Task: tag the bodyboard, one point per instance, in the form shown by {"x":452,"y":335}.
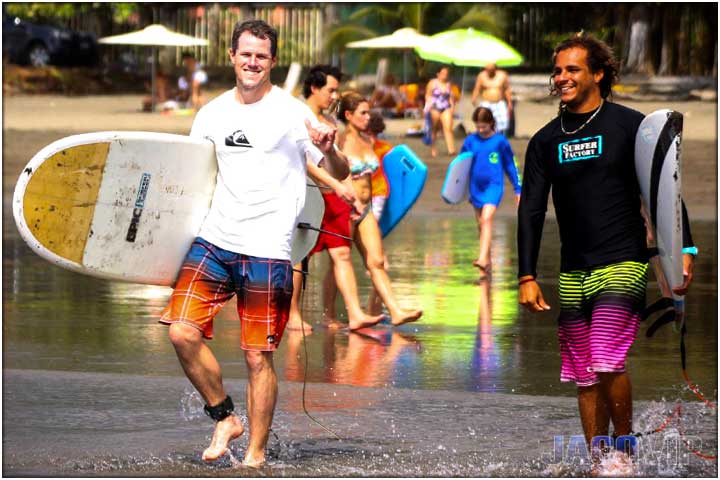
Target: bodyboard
{"x":456,"y":187}
{"x":406,"y":174}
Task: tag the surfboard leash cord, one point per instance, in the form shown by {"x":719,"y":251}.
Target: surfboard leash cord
{"x":307,"y":226}
{"x":667,"y":317}
{"x":304,"y":271}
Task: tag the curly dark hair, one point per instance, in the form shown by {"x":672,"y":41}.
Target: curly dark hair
{"x":599,"y":57}
{"x":317,"y":77}
{"x":259,"y":29}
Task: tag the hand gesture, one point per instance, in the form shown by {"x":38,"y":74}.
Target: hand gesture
{"x":322,"y":136}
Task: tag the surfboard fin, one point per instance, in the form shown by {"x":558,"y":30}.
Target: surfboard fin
{"x":659,"y":305}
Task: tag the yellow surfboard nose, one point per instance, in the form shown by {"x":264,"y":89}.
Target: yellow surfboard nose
{"x":60,"y":197}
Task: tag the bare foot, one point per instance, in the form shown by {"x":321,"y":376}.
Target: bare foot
{"x":433,"y":152}
{"x":364,"y":321}
{"x":402,"y":317}
{"x":253,"y":461}
{"x":226,"y":431}
{"x":616,"y":464}
{"x":299,"y":324}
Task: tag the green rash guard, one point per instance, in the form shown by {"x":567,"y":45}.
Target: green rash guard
{"x":595,"y":191}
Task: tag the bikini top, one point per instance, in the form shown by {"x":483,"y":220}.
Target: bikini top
{"x":363,"y":166}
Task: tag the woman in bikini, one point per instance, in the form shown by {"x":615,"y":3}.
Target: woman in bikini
{"x":354,"y":112}
{"x":440,"y":102}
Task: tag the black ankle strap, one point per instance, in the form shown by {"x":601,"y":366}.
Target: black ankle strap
{"x":221,"y":411}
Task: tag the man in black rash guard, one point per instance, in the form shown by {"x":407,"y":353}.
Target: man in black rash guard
{"x":586,"y":155}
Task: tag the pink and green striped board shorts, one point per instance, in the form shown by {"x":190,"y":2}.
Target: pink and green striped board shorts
{"x":599,"y":319}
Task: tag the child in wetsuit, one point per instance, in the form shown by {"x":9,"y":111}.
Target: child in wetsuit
{"x":492,"y":155}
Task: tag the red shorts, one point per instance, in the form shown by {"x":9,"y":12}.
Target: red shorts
{"x":210,"y":276}
{"x":337,"y":220}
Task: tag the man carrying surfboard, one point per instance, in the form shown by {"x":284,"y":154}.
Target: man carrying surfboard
{"x":262,"y":138}
{"x":586,"y":155}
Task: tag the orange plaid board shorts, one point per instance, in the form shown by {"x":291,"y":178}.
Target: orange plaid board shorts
{"x":210,"y":276}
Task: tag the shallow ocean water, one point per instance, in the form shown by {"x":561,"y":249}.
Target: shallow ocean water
{"x":91,"y":385}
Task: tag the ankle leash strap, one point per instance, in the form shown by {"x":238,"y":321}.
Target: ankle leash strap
{"x":221,"y":411}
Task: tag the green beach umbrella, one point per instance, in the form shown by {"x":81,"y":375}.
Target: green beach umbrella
{"x":468,"y":48}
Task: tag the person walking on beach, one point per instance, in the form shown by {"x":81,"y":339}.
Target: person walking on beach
{"x":604,"y":257}
{"x":262,"y":138}
{"x":492,"y":86}
{"x":440,"y":105}
{"x":354,"y":112}
{"x":320,"y":90}
{"x":492,"y":155}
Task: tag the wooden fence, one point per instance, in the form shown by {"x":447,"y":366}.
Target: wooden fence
{"x":299,"y":26}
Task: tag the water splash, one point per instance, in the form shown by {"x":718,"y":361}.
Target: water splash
{"x":191,"y":405}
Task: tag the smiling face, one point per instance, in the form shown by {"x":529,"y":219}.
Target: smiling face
{"x":360,"y":117}
{"x":252,"y":62}
{"x":577,"y":86}
{"x":326,"y":95}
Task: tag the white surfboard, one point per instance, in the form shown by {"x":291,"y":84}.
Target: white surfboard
{"x":456,"y":187}
{"x":125,"y":205}
{"x":658,"y":168}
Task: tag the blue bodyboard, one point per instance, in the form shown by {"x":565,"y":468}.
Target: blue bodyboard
{"x":406,"y":174}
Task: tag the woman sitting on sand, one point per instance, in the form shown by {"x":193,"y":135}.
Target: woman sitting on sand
{"x":354,"y":112}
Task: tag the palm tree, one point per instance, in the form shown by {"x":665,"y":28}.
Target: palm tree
{"x":428,"y":18}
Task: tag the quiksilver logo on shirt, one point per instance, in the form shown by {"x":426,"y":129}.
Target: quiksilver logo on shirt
{"x":580,"y":149}
{"x":237,"y":139}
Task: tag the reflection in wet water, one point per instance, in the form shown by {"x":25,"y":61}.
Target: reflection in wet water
{"x":473,"y":338}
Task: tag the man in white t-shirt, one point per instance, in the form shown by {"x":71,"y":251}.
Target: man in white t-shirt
{"x":263,"y":138}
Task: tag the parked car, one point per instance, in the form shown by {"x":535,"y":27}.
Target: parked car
{"x":28,"y":43}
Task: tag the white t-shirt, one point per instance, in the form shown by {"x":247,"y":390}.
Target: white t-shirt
{"x":198,"y":75}
{"x":261,"y":152}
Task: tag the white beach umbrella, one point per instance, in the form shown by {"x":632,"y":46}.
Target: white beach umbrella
{"x":405,"y":39}
{"x":154,"y":36}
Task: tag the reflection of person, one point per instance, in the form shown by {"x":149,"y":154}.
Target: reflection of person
{"x":243,"y":247}
{"x":354,"y":112}
{"x":604,"y":265}
{"x":493,"y":88}
{"x":321,"y":91}
{"x":369,"y":359}
{"x":440,"y":104}
{"x":191,"y":82}
{"x":492,"y":154}
{"x":388,"y":97}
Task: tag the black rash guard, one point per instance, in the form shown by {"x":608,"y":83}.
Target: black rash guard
{"x":594,"y":187}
